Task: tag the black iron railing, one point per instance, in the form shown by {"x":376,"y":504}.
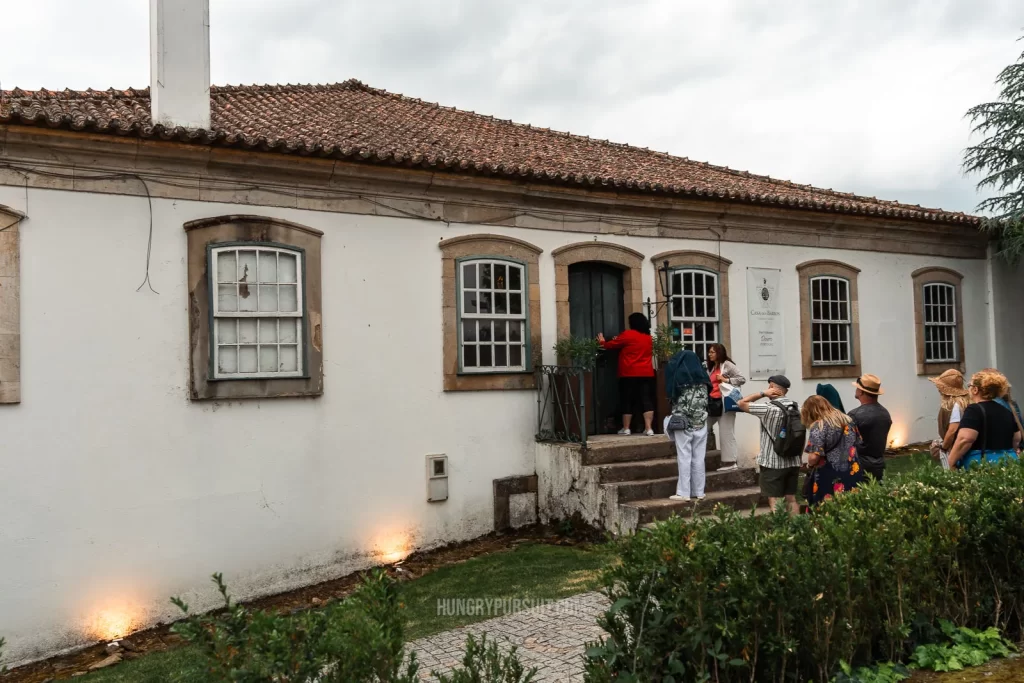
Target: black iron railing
{"x":561,"y":404}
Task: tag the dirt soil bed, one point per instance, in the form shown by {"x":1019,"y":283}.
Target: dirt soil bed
{"x":160,"y":637}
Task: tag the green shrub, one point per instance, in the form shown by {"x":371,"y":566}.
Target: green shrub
{"x":887,"y":672}
{"x":665,"y":344}
{"x":965,"y":647}
{"x":777,"y":597}
{"x":358,"y":640}
{"x":577,"y":351}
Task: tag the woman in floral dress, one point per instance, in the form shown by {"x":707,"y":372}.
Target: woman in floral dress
{"x":832,"y":440}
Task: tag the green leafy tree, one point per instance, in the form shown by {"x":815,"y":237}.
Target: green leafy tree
{"x":1000,"y":160}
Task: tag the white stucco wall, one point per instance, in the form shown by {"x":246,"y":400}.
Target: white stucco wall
{"x":1008,"y":321}
{"x":116,"y":491}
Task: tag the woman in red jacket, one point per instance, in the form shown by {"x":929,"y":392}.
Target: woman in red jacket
{"x":636,"y":370}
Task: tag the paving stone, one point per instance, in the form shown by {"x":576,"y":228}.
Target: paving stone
{"x":550,"y":637}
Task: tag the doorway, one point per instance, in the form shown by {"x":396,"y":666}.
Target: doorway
{"x":596,"y":305}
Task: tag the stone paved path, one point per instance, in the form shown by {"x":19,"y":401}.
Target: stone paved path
{"x":550,"y":637}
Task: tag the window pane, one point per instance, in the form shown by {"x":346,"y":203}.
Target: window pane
{"x":469,"y":276}
{"x":485,"y":356}
{"x":927,"y":295}
{"x":288,"y":330}
{"x":268,"y":266}
{"x":485,"y":302}
{"x":500,"y":355}
{"x":485,"y":330}
{"x":469,"y":303}
{"x":687,"y":308}
{"x":247,"y":331}
{"x":515,"y":304}
{"x":289,"y":298}
{"x":515,"y":331}
{"x":246,"y":297}
{"x":677,"y":283}
{"x":500,"y":277}
{"x":816,"y":289}
{"x":289,"y":359}
{"x":501,"y":303}
{"x":286,"y":268}
{"x":515,"y":277}
{"x":677,"y":307}
{"x":499,"y":331}
{"x":268,"y":358}
{"x":227,"y":360}
{"x":711,"y":309}
{"x":268,"y":298}
{"x":247,"y":266}
{"x":227,"y":332}
{"x":515,"y":356}
{"x":268,"y":330}
{"x":699,"y":308}
{"x":485,"y":275}
{"x":469,"y":355}
{"x":698,"y":285}
{"x":469,"y":330}
{"x":226,"y":266}
{"x":227,"y":298}
{"x":833,"y":310}
{"x":247,"y":359}
{"x":688,"y":284}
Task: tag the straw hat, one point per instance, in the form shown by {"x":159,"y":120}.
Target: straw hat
{"x":869,"y":384}
{"x":950,"y":383}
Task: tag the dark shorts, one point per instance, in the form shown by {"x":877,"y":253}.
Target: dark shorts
{"x":636,"y":395}
{"x":779,"y":483}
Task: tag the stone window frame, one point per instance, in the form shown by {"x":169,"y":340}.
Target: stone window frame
{"x":488,"y":246}
{"x":933,"y":275}
{"x":235,"y":229}
{"x":828,"y":268}
{"x":10,"y":304}
{"x":629,"y":260}
{"x":688,"y":259}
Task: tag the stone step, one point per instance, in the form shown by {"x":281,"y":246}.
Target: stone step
{"x":610,"y":449}
{"x":662,"y":508}
{"x":629,"y":491}
{"x":643,"y":470}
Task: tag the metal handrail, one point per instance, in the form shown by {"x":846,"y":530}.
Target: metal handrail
{"x":561,"y":404}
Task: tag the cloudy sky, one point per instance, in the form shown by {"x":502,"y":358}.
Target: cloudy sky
{"x":864,"y":96}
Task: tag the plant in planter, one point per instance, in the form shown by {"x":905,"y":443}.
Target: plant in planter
{"x":665,"y":344}
{"x":580,"y":353}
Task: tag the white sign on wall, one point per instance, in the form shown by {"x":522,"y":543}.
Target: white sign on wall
{"x":764,"y":321}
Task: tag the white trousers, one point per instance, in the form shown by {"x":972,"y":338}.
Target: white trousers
{"x":690,"y":450}
{"x":726,"y":436}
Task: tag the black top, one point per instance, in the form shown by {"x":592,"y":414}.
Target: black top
{"x":995,"y":426}
{"x":873,"y":421}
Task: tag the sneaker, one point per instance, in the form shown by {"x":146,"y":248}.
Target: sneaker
{"x":701,"y":497}
{"x":649,"y":432}
{"x":624,"y":432}
{"x":675,"y":497}
{"x":728,"y":468}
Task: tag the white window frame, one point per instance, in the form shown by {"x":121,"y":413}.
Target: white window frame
{"x":679,"y":322}
{"x":523,"y":316}
{"x":950,"y":324}
{"x":830,"y":323}
{"x":216,"y":315}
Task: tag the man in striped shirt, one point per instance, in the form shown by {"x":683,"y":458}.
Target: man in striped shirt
{"x":779,"y":475}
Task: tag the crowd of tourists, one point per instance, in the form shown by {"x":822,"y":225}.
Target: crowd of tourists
{"x":836,"y":450}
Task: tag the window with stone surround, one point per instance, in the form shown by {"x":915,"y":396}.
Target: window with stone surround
{"x":938,"y":320}
{"x":491,"y":312}
{"x":254,"y":308}
{"x":698,"y":308}
{"x":829,"y":320}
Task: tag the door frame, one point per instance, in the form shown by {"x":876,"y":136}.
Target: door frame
{"x":630,"y":261}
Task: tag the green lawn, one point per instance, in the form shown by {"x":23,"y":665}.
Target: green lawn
{"x":528,"y":571}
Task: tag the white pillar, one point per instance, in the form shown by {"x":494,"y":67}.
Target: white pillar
{"x":179,"y":62}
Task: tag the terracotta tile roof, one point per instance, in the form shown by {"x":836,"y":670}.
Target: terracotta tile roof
{"x":353,"y":121}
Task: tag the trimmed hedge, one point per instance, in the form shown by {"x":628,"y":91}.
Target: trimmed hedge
{"x":779,"y":598}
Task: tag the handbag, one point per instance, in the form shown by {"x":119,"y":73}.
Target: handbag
{"x":731,"y":397}
{"x":715,"y":407}
{"x":677,"y":423}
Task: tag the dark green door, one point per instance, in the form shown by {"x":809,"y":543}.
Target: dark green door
{"x":595,"y":305}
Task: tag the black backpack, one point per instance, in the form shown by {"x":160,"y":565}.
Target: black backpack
{"x":791,"y":436}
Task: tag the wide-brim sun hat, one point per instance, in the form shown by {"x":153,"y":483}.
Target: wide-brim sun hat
{"x":869,"y":384}
{"x":950,"y":383}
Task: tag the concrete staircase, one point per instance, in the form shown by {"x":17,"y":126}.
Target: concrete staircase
{"x":621,"y":483}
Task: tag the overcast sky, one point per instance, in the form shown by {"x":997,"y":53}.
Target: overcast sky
{"x":862,"y":96}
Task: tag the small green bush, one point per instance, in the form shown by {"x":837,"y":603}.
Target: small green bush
{"x":887,"y":672}
{"x":358,"y":640}
{"x":965,"y":647}
{"x":777,"y":597}
{"x":665,"y":344}
{"x":576,"y":351}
